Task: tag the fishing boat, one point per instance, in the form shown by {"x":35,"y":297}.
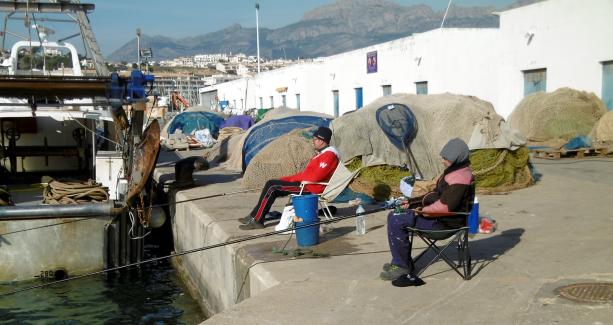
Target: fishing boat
{"x":73,"y":163}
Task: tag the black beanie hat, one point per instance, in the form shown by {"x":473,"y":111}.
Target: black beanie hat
{"x":323,"y":133}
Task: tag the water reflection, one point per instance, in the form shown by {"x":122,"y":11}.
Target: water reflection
{"x":151,"y":294}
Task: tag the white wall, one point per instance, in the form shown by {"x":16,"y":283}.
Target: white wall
{"x":450,"y":60}
{"x":571,"y":39}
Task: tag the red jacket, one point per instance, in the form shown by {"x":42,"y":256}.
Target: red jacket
{"x":320,"y":169}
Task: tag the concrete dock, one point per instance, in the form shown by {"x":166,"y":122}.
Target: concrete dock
{"x":555,"y":233}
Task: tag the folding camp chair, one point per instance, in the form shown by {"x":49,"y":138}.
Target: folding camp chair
{"x":451,"y":238}
{"x":458,"y":236}
{"x":337,"y":183}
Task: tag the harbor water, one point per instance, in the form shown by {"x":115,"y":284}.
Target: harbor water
{"x":151,"y":294}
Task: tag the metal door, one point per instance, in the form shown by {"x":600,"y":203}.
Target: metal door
{"x":387,"y":90}
{"x":336,"y":104}
{"x":607,"y":84}
{"x":535,"y":81}
{"x":358,"y":98}
{"x":421,"y":88}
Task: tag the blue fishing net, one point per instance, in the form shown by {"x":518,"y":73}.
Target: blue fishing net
{"x":264,"y":133}
{"x":398,"y":123}
{"x":189,"y":122}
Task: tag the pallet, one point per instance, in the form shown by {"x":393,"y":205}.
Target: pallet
{"x":580,"y":153}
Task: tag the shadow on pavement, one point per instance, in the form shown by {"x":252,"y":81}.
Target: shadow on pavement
{"x":484,"y":251}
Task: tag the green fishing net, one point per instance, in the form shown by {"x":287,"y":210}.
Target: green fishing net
{"x":380,"y":181}
{"x":502,"y":168}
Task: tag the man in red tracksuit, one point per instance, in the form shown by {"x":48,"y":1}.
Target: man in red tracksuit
{"x":320,"y":169}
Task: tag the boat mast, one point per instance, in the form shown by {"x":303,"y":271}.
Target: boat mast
{"x":74,"y":6}
{"x":90,"y":42}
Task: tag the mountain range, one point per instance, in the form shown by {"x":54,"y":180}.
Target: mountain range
{"x":326,"y":30}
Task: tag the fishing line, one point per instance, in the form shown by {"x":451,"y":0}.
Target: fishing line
{"x":230,"y":242}
{"x":204,"y":197}
{"x":571,"y":162}
{"x":94,"y":132}
{"x":51,"y":225}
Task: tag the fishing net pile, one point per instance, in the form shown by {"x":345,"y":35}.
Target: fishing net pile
{"x":439,"y":118}
{"x":603,"y":130}
{"x":188,"y":122}
{"x":501,"y":170}
{"x":379,"y":182}
{"x":221,"y":151}
{"x":74,"y":192}
{"x":286,"y":155}
{"x":563,"y":114}
{"x":278,"y":122}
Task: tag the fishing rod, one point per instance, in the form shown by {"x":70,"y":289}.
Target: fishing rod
{"x":229,"y":242}
{"x":205,"y":197}
{"x":153,"y":206}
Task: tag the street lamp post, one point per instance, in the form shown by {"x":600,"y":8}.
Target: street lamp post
{"x":138,"y":47}
{"x":257,"y":33}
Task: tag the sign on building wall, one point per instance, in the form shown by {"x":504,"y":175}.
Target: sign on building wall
{"x":371,"y":62}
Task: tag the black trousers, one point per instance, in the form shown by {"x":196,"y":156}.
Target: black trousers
{"x":273,"y":189}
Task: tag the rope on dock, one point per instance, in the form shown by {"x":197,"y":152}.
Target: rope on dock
{"x":74,"y":192}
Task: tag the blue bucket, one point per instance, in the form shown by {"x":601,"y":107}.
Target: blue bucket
{"x":305,"y":207}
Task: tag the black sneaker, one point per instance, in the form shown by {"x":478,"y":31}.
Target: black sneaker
{"x":393,"y":273}
{"x":408,"y":281}
{"x":251,"y":225}
{"x":245,"y":220}
{"x":387,"y":266}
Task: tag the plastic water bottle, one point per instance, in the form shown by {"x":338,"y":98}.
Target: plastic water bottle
{"x":360,"y":221}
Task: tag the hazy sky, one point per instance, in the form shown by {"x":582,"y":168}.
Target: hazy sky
{"x":115,"y":21}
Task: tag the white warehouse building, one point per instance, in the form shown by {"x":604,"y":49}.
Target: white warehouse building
{"x":539,"y":47}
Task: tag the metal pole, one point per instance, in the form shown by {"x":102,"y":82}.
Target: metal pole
{"x":257,"y":32}
{"x":32,"y":212}
{"x":138,"y":47}
{"x":94,"y":149}
{"x":445,"y":16}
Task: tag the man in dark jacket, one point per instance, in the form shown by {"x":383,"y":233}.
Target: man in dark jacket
{"x":453,"y":193}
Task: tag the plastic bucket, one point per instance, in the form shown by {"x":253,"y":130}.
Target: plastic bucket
{"x":305,"y":207}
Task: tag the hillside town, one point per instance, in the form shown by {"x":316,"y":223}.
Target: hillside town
{"x":187,"y":74}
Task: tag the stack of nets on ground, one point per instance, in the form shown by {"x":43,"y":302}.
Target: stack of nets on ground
{"x":495,"y":171}
{"x":551,"y":119}
{"x":74,"y":192}
{"x":190,"y":121}
{"x":439,"y":119}
{"x":379,"y":182}
{"x":603,"y":129}
{"x":501,"y":170}
{"x":244,"y":148}
{"x":220,"y":151}
{"x":286,"y":155}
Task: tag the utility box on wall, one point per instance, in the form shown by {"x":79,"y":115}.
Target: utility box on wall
{"x":109,"y":170}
